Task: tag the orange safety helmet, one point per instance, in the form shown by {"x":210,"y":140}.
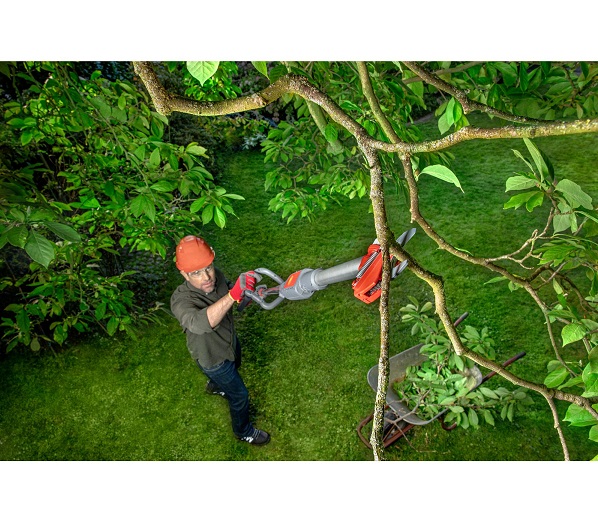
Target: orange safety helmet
{"x":192,"y":254}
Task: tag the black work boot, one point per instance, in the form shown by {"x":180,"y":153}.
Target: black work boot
{"x":212,"y":388}
{"x":258,"y":437}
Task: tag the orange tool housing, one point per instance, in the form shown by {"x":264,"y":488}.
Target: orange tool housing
{"x":367,"y":287}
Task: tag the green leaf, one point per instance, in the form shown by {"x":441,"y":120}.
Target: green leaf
{"x":235,"y":197}
{"x":443,"y":173}
{"x":219,"y":218}
{"x":103,"y":108}
{"x":572,"y":382}
{"x":538,"y":159}
{"x":26,"y":137}
{"x":427,"y":306}
{"x":202,"y":71}
{"x":346,"y":104}
{"x":577,"y":416}
{"x":574,"y":194}
{"x":527,"y":162}
{"x":448,"y":400}
{"x":473,"y":418}
{"x":591,"y":384}
{"x":164,"y":186}
{"x":154,"y":159}
{"x":207,"y":214}
{"x":510,"y":411}
{"x":557,"y":253}
{"x":196,"y":150}
{"x":556,"y":377}
{"x":561,"y":222}
{"x":137,"y":205}
{"x":534,"y":201}
{"x":572,"y":333}
{"x":489,"y":393}
{"x":594,"y":433}
{"x":23,"y":321}
{"x":592,"y":215}
{"x":519,"y":183}
{"x":557,"y":286}
{"x":17,"y":235}
{"x":593,"y":358}
{"x":518,"y":200}
{"x":140,"y":152}
{"x":330,"y":133}
{"x":261,"y":67}
{"x":90,"y":203}
{"x":111,"y":326}
{"x":449,"y":113}
{"x":64,"y":231}
{"x":197,"y":204}
{"x":143,"y":204}
{"x":509,"y":73}
{"x":496,"y":279}
{"x":443,"y":125}
{"x":39,"y":248}
{"x":100,"y":310}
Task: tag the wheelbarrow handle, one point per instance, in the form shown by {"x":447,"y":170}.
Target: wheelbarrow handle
{"x":505,"y":364}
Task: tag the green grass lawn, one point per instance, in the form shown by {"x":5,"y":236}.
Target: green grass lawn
{"x":305,"y":363}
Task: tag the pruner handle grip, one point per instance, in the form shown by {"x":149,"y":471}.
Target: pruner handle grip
{"x":256,"y":295}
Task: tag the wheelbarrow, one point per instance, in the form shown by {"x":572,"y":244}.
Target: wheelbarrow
{"x":398,"y":417}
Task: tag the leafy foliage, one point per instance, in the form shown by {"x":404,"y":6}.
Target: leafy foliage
{"x":87,"y":173}
{"x":446,"y":382}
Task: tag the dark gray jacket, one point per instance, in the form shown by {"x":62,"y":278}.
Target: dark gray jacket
{"x":208,"y":346}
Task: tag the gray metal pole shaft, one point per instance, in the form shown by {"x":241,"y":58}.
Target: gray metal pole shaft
{"x":342,"y":272}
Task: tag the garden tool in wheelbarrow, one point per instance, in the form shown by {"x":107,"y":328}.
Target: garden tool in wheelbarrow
{"x":366,"y":272}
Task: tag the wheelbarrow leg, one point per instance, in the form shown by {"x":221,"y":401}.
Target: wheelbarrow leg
{"x":393,"y":429}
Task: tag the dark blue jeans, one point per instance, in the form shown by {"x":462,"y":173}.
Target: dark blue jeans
{"x":227,"y":378}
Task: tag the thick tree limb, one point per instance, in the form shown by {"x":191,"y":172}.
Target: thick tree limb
{"x":382,"y":233}
{"x":166,"y":103}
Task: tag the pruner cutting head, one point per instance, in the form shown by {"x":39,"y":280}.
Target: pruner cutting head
{"x":398,"y":269}
{"x":406,"y":236}
{"x":367,"y":284}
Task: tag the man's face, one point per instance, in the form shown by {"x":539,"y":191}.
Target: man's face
{"x":204,"y":279}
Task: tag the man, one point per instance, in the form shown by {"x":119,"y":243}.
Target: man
{"x":203,"y":306}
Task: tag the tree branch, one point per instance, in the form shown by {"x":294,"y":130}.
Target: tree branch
{"x":167,"y":103}
{"x":468,"y":104}
{"x":368,"y":92}
{"x":440,"y":72}
{"x":507,"y":132}
{"x":382,"y":233}
{"x":557,"y":426}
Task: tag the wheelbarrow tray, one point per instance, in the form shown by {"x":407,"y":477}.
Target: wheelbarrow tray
{"x":397,"y":368}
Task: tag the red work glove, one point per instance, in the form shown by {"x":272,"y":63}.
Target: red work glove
{"x":246,"y":281}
